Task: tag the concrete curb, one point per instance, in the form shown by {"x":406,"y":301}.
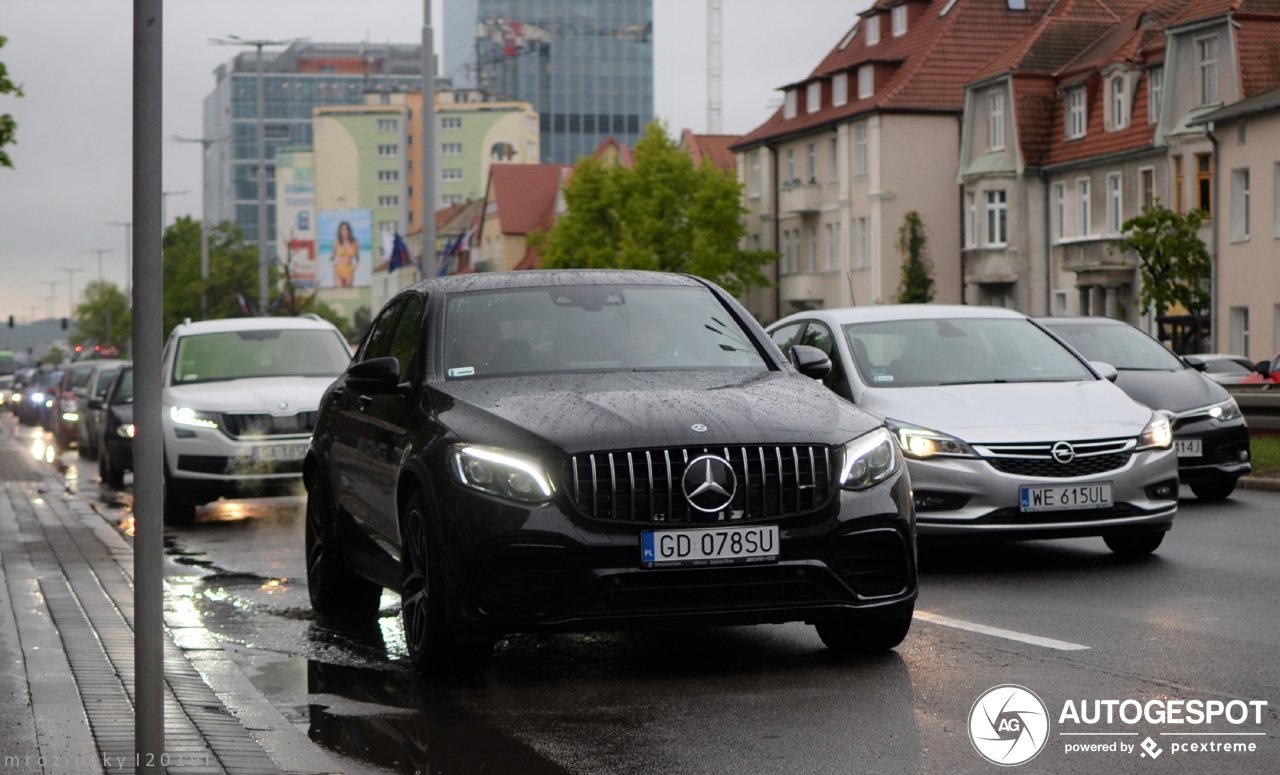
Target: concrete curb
{"x":1265,"y":483}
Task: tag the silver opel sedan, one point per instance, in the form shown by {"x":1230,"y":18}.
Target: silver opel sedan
{"x":1008,"y":434}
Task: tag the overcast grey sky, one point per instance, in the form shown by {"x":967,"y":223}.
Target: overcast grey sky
{"x":73,"y":59}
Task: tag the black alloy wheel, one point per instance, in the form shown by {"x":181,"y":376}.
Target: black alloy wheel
{"x":865,"y":633}
{"x":1216,"y":490}
{"x":1134,"y":544}
{"x":177,"y":510}
{"x":433,"y":646}
{"x":334,"y":588}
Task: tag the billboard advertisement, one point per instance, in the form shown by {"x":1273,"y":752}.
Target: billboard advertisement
{"x":295,"y":205}
{"x":344,"y":248}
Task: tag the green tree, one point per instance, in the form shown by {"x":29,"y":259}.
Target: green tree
{"x":233,"y":272}
{"x":1172,"y":259}
{"x":55,"y":355}
{"x":916,"y":286}
{"x":103,"y":317}
{"x":663,"y":213}
{"x":8,"y":127}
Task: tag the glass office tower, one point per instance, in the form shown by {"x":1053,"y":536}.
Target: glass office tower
{"x":585,"y":65}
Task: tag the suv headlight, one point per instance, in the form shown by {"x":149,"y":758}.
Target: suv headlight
{"x":922,"y":443}
{"x":1227,"y":410}
{"x":1157,"y":435}
{"x":500,"y":473}
{"x":195,"y":418}
{"x":869,"y":460}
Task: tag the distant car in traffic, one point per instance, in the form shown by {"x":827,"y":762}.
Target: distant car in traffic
{"x":37,"y":393}
{"x":71,"y":403}
{"x":1210,"y":435}
{"x":239,"y":401}
{"x":116,"y":430}
{"x":1222,"y":368}
{"x":89,"y":428}
{"x":1008,"y":433}
{"x":576,"y":449}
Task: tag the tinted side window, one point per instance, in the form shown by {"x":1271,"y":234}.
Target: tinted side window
{"x":785,"y":337}
{"x":379,"y":342}
{"x":407,"y":337}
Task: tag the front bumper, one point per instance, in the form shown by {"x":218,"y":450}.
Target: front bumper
{"x":1224,"y":449}
{"x":205,"y":463}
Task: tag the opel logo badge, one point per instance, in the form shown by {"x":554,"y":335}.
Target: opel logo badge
{"x":709,"y":484}
{"x":282,"y":405}
{"x":698,"y":428}
{"x":1063,"y":452}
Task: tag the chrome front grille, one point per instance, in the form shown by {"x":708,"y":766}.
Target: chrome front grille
{"x":257,"y":425}
{"x":1036,"y":459}
{"x":645,"y":485}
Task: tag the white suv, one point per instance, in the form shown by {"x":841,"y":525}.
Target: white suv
{"x":240,"y":399}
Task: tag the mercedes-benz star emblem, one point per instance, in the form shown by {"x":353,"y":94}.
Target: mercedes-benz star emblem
{"x":709,"y":484}
{"x":698,"y":428}
{"x":1063,"y":452}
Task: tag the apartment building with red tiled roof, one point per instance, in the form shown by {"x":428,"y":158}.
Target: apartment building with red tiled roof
{"x":519,"y":199}
{"x":870,"y":134}
{"x":716,"y":148}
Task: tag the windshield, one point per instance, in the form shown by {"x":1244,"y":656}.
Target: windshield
{"x":124,"y":388}
{"x":1226,"y":366}
{"x":915,"y":353}
{"x":105,"y":376}
{"x":593,"y":328}
{"x":272,"y":352}
{"x":1122,"y":346}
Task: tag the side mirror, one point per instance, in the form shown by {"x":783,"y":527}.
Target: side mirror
{"x":810,"y":361}
{"x":1263,"y":368}
{"x":1105,"y":370}
{"x":1195,"y":362}
{"x":376,"y":375}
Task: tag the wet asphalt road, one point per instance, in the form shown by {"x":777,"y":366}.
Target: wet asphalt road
{"x":1198,"y":621}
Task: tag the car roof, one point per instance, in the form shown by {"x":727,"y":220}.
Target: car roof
{"x":883,"y":312}
{"x":484,"y":281}
{"x":1073,"y":320}
{"x":225,"y":325}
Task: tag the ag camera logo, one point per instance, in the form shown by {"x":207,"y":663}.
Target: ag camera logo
{"x":1008,"y":725}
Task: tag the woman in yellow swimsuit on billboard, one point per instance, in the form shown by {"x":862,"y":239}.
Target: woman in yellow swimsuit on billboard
{"x":346,"y":254}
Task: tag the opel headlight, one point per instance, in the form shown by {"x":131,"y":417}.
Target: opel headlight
{"x":1157,"y":435}
{"x":501,"y":473}
{"x":1227,"y":410}
{"x":869,"y":460}
{"x":922,"y":443}
{"x":193,"y":417}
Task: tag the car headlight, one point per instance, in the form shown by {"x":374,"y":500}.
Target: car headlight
{"x":1157,"y":435}
{"x":869,"y":460}
{"x":921,"y":443}
{"x":37,"y":398}
{"x":501,"y":473}
{"x":1227,"y":410}
{"x":125,"y":431}
{"x":193,"y":417}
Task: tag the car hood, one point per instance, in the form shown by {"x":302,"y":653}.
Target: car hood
{"x":590,"y":412}
{"x":1176,"y":391}
{"x":1014,"y":412}
{"x":266,"y":395}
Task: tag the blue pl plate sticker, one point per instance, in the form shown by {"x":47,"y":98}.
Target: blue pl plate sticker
{"x":646,"y":547}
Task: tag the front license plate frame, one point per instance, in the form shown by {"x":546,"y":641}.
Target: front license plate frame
{"x":1087,"y":496}
{"x":280,"y":453}
{"x":1189,"y":447}
{"x":703,"y":547}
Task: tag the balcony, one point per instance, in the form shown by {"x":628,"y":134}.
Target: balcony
{"x":805,"y":287}
{"x":1093,"y":254}
{"x":800,"y":198}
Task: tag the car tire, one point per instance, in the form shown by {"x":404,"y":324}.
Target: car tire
{"x":1216,"y":490}
{"x":177,"y":510}
{"x":333,"y":587}
{"x":433,"y":647}
{"x":865,"y":633}
{"x":1134,"y":544}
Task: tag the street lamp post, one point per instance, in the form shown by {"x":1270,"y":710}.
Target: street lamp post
{"x":128,"y":256}
{"x":205,"y":143}
{"x":164,"y":208}
{"x":71,"y":293}
{"x":100,"y":251}
{"x":263,"y":258}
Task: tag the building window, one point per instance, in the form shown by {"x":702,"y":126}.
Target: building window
{"x":448,"y":199}
{"x":873,"y":30}
{"x":997,"y":218}
{"x":1060,"y":210}
{"x":830,"y":233}
{"x":813,"y":248}
{"x":451,"y":149}
{"x":833,"y":158}
{"x":813,"y":97}
{"x":866,"y":81}
{"x":1119,"y":104}
{"x":1147,"y":187}
{"x":451,"y":122}
{"x":386,"y":227}
{"x":840,"y":89}
{"x":388,"y":176}
{"x":1240,"y":204}
{"x":390,"y":200}
{"x":1179,"y":187}
{"x":860,"y":150}
{"x":1155,"y":93}
{"x":1204,"y":184}
{"x":388,"y":150}
{"x":753,"y":177}
{"x":451,"y":174}
{"x":789,"y":104}
{"x":1238,"y":325}
{"x":786,"y":252}
{"x":995,"y":125}
{"x":1077,"y":123}
{"x":1207,"y":70}
{"x":1115,"y":202}
{"x":811,"y":162}
{"x":1242,"y":131}
{"x":388,"y":125}
{"x":899,"y":21}
{"x":1083,"y":210}
{"x":861,"y":244}
{"x":791,"y":166}
{"x":970,"y":219}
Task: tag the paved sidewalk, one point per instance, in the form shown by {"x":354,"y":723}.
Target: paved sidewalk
{"x":66,"y":646}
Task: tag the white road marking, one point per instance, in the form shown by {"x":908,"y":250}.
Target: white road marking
{"x":996,"y":632}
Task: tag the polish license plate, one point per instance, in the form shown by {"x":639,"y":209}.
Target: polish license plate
{"x":277,"y":453}
{"x":1066,"y":497}
{"x":1188,"y":447}
{"x":715,"y":546}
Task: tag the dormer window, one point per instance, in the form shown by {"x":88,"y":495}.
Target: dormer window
{"x":840,"y":89}
{"x":866,"y":81}
{"x":995,"y":118}
{"x":900,"y":21}
{"x":1119,"y":104}
{"x":813,"y":97}
{"x":1155,"y":93}
{"x":1076,"y":117}
{"x":789,"y":104}
{"x":873,"y":30}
